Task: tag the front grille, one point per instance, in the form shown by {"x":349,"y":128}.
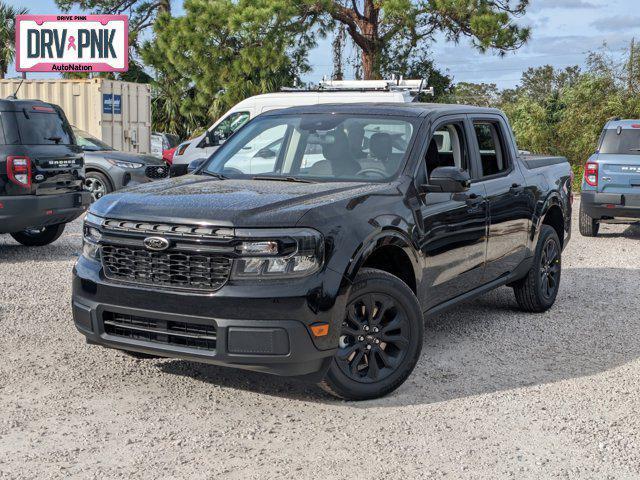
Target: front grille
{"x":193,"y":271}
{"x":168,"y":332}
{"x":157,"y":171}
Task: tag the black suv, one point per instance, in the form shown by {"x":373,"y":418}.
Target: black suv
{"x":41,"y":172}
{"x":314,"y":240}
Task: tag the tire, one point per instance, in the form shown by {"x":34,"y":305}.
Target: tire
{"x":38,"y":237}
{"x":537,"y":291}
{"x":588,"y":226}
{"x":397,"y":318}
{"x":98,"y":184}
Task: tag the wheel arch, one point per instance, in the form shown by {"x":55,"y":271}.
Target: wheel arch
{"x":391,"y":251}
{"x":552,"y":214}
{"x":97,"y":169}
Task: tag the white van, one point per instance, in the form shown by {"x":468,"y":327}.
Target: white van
{"x":347,"y":91}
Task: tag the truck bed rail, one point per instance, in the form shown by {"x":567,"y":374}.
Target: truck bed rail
{"x":538,"y":161}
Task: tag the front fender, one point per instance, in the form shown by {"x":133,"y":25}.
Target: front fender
{"x":385,"y":237}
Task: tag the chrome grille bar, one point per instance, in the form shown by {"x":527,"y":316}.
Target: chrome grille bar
{"x":151,"y":228}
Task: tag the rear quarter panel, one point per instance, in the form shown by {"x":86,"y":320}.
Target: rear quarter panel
{"x":549,"y":186}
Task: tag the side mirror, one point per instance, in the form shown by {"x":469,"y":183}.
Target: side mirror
{"x":448,"y":179}
{"x":195,"y":164}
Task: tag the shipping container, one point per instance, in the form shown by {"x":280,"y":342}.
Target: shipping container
{"x":117,"y":112}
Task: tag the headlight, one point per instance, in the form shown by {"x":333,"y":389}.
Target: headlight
{"x":124,"y":164}
{"x":90,"y":250}
{"x":281,"y":253}
{"x":92,"y":236}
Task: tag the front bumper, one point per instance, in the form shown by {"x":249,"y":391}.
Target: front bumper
{"x":610,"y":205}
{"x":18,"y":213}
{"x":267,"y":332}
{"x":125,"y":177}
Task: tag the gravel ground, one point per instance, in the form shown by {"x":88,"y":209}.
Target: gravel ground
{"x":496,"y":394}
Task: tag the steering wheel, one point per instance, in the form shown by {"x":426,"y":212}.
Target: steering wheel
{"x":375,"y":171}
{"x":231,"y":170}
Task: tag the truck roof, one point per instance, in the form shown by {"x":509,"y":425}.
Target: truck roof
{"x":413,"y":109}
{"x":317,"y":96}
{"x":12,"y":104}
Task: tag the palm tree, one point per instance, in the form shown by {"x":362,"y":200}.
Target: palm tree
{"x":8,"y":35}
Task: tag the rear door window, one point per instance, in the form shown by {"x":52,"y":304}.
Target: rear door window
{"x":493,"y":153}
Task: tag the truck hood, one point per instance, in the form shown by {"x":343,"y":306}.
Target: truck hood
{"x":233,"y":203}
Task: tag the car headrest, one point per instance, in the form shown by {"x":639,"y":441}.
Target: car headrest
{"x":338,"y":149}
{"x":380,"y":145}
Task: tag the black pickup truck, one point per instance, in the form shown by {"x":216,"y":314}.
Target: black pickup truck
{"x":312,"y":243}
{"x":41,"y":172}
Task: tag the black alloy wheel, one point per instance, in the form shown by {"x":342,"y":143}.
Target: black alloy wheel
{"x":550,"y":268}
{"x":374,"y":338}
{"x":380,"y":338}
{"x":537,"y":291}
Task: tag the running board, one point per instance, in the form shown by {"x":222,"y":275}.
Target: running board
{"x":520,"y":272}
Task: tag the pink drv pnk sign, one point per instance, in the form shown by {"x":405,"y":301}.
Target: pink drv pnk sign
{"x":72,"y":43}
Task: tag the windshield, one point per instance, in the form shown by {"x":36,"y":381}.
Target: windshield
{"x":89,"y":142}
{"x":316,"y":147}
{"x":40,"y":128}
{"x":626,"y":142}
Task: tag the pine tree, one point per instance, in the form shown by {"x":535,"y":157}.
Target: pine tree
{"x":8,"y":16}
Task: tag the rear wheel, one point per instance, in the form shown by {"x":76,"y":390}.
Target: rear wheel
{"x":38,"y":237}
{"x":538,"y":290}
{"x":589,"y":227}
{"x":381,"y":338}
{"x":97,"y":184}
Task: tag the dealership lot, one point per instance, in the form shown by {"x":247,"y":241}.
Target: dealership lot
{"x":497,"y":392}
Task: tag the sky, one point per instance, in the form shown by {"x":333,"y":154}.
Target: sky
{"x":563,"y":32}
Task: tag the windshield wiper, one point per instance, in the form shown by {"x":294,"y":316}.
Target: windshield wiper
{"x":282,"y":179}
{"x":214,"y":174}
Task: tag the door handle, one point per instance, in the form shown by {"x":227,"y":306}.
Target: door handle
{"x":469,"y":198}
{"x":516,"y":189}
{"x":473,"y":199}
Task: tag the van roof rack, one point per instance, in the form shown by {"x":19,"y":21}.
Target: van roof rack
{"x":413,"y":87}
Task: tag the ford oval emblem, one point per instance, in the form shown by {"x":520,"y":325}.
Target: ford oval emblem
{"x":157,"y":244}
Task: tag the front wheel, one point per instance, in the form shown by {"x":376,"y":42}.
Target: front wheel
{"x":38,"y":237}
{"x":381,"y":338}
{"x":97,"y":184}
{"x":537,"y":291}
